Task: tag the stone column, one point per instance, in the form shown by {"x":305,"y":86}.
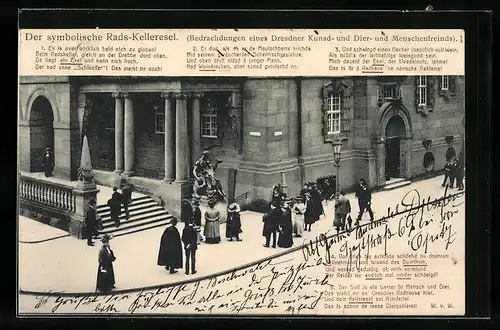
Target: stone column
{"x":196,"y":127}
{"x":118,"y":133}
{"x":169,"y":137}
{"x":181,"y":139}
{"x":129,"y":135}
{"x":379,"y":147}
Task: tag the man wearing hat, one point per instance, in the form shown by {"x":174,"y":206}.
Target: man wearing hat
{"x":233,"y":223}
{"x":170,"y":253}
{"x":91,"y":221}
{"x":48,"y":162}
{"x":197,"y":220}
{"x":105,"y":271}
{"x":190,"y":246}
{"x":271,"y":220}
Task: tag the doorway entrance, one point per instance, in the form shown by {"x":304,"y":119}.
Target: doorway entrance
{"x":392,"y":150}
{"x":41,"y":132}
{"x":395,"y":130}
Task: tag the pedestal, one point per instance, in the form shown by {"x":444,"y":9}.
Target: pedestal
{"x":82,"y":193}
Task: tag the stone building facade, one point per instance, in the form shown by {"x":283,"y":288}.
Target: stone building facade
{"x":152,"y":129}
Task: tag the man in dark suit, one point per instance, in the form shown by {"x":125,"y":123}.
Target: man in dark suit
{"x":127,"y":197}
{"x":271,"y":221}
{"x":115,"y":206}
{"x":364,"y":196}
{"x":91,"y":221}
{"x":189,"y":238}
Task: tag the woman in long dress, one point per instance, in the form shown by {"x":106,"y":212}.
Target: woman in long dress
{"x":285,"y":239}
{"x":105,"y":270}
{"x":212,"y":225}
{"x":298,"y":211}
{"x":311,"y":213}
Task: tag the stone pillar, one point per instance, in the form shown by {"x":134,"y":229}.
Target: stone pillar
{"x":169,"y":137}
{"x":118,"y":133}
{"x":181,"y":139}
{"x":379,"y":147}
{"x":406,"y":149}
{"x":196,"y":127}
{"x":82,"y":197}
{"x":129,"y":135}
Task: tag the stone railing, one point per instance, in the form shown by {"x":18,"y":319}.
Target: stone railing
{"x":64,"y":202}
{"x":55,"y":196}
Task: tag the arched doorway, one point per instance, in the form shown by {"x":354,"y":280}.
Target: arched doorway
{"x":41,"y":131}
{"x":394,"y":132}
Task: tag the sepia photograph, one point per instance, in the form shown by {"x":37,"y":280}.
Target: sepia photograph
{"x":187,"y":194}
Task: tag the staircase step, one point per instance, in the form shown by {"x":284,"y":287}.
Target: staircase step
{"x":135,"y":206}
{"x":132,"y":230}
{"x":136,"y":199}
{"x":398,"y":184}
{"x":141,"y":217}
{"x":134,"y":224}
{"x":132,"y":212}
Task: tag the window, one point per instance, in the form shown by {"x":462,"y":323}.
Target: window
{"x":333,"y":113}
{"x":422,"y":91}
{"x":160,"y":123}
{"x":445,"y":83}
{"x":389,"y":92}
{"x":209,"y":126}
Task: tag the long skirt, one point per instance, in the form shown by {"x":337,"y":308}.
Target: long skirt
{"x":298,"y":224}
{"x":212,"y":232}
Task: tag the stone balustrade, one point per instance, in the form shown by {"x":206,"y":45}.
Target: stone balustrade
{"x":56,"y":200}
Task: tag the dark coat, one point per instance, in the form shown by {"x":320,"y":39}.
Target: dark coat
{"x":186,"y":212}
{"x":190,"y":237}
{"x":126,"y":194}
{"x":318,"y":205}
{"x":285,"y":239}
{"x":90,"y":221}
{"x":170,"y":253}
{"x":233,"y":224}
{"x":115,"y":204}
{"x":460,"y":172}
{"x":48,"y":164}
{"x":311,"y":215}
{"x":363,"y":195}
{"x":105,"y":271}
{"x":197,"y":216}
{"x":271,"y":221}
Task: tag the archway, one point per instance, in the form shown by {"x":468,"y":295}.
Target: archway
{"x":41,"y":131}
{"x":394,"y":132}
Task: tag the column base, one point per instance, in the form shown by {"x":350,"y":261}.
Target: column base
{"x":168,"y":180}
{"x":128,"y":173}
{"x":76,"y":226}
{"x":118,"y":171}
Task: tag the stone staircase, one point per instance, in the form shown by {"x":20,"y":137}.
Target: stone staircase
{"x":394,"y":183}
{"x":145,"y":213}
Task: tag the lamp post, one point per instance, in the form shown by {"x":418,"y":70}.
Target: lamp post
{"x":337,"y":147}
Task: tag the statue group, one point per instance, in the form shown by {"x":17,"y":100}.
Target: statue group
{"x":206,"y":184}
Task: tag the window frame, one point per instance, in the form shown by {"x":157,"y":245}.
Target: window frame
{"x":443,"y":88}
{"x":214,"y":124}
{"x":159,"y":114}
{"x":331,"y":112}
{"x":422,"y":91}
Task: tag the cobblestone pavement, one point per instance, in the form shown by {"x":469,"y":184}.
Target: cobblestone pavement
{"x":69,"y":265}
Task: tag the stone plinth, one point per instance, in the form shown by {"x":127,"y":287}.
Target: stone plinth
{"x":82,"y":198}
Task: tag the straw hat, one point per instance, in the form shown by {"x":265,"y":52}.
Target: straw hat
{"x":234,"y":208}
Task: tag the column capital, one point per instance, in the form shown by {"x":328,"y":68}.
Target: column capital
{"x":180,"y":95}
{"x":126,"y":95}
{"x":116,"y":95}
{"x":196,"y":95}
{"x":167,"y":95}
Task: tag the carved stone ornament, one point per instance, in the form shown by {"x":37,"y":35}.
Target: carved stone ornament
{"x":85,"y":173}
{"x":426,"y":143}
